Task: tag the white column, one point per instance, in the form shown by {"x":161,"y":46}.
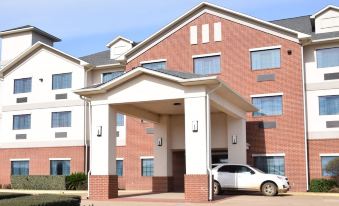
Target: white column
{"x":237,"y":145}
{"x":162,"y":153}
{"x":196,"y":135}
{"x":103,"y":145}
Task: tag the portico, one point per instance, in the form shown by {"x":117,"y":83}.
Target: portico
{"x":190,"y":112}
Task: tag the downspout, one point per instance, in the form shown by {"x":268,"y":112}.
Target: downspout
{"x":208,"y":142}
{"x":305,"y":117}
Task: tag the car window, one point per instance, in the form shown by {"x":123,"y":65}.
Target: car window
{"x":243,"y":169}
{"x":227,"y":168}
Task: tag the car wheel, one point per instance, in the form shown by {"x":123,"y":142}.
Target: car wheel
{"x":269,"y":189}
{"x":216,"y":188}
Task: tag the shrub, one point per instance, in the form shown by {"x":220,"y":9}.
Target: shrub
{"x":322,"y":185}
{"x":76,"y":181}
{"x":5,"y":195}
{"x":39,"y":182}
{"x":42,"y":200}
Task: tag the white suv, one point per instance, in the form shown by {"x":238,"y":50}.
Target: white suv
{"x":244,"y":177}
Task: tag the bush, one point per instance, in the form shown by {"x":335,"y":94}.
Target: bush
{"x":11,"y":195}
{"x":76,"y":181}
{"x":322,"y":185}
{"x":39,"y":182}
{"x":42,"y":200}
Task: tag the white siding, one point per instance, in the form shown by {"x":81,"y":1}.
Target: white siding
{"x":327,"y":21}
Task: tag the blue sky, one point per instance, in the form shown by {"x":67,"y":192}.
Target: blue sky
{"x":86,"y":26}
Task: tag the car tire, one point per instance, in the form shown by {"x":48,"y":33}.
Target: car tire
{"x":216,"y":188}
{"x":269,"y":189}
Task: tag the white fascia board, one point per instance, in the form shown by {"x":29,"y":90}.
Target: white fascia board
{"x":206,"y":55}
{"x":20,"y":159}
{"x":60,"y":158}
{"x":119,"y":158}
{"x":118,"y":38}
{"x":324,"y":9}
{"x":325,"y":40}
{"x":329,"y":155}
{"x":268,"y":94}
{"x":265,"y":48}
{"x":269,"y":155}
{"x":16,"y":31}
{"x":146,"y":157}
{"x":153,"y":61}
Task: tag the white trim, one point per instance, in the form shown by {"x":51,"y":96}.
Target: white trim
{"x":119,"y":158}
{"x":23,"y":159}
{"x":324,"y":9}
{"x":146,"y":157}
{"x":265,"y":48}
{"x":153,"y":61}
{"x":325,"y":40}
{"x":329,"y":155}
{"x":268,"y":94}
{"x":205,"y":33}
{"x":269,"y":155}
{"x":206,"y":55}
{"x":60,"y":159}
{"x":116,"y":40}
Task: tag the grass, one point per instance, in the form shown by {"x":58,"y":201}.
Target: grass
{"x":14,"y":199}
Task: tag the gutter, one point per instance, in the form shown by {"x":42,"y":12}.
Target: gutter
{"x":208,"y":142}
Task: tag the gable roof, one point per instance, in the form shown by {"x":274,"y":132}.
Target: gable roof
{"x":117,"y":39}
{"x":29,"y":28}
{"x":36,"y":47}
{"x":216,"y":10}
{"x":99,"y":58}
{"x":323,"y":10}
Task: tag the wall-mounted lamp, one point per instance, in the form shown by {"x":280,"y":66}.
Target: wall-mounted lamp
{"x":159,"y":142}
{"x":289,"y":52}
{"x":195,"y":126}
{"x":99,"y":131}
{"x":41,"y":79}
{"x":234,"y":139}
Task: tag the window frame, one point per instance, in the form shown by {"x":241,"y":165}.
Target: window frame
{"x":269,"y":95}
{"x":326,"y":155}
{"x":265,"y":49}
{"x":154,"y":61}
{"x":14,"y":85}
{"x":19,"y":160}
{"x":59,"y":160}
{"x":71,"y":83}
{"x":281,"y":155}
{"x":316,"y":57}
{"x":142,"y":167}
{"x":104,"y":73}
{"x":122,"y":167}
{"x":70,"y":120}
{"x":200,"y":56}
{"x":18,"y":115}
{"x":319,"y":107}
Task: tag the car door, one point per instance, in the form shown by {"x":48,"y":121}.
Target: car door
{"x":246,"y":178}
{"x":226,"y":176}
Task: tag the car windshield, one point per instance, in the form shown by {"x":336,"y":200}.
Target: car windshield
{"x":256,"y":169}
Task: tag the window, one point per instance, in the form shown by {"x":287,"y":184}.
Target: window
{"x":22,"y":121}
{"x":265,"y":59}
{"x":60,"y":167}
{"x":267,"y":105}
{"x":207,"y":65}
{"x":20,"y":168}
{"x":22,"y":85}
{"x":270,"y":164}
{"x":120,"y":167}
{"x":106,"y":77}
{"x":325,"y":160}
{"x":61,"y":81}
{"x":120,"y":119}
{"x":329,"y":105}
{"x":147,"y":167}
{"x":155,"y":65}
{"x":327,"y":57}
{"x":228,"y":168}
{"x":61,"y":119}
{"x":243,"y":169}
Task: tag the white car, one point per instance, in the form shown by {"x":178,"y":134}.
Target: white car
{"x":245,"y":177}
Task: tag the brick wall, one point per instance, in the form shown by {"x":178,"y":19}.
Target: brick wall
{"x":103,"y":187}
{"x":236,"y":71}
{"x":196,"y":188}
{"x":39,"y":163}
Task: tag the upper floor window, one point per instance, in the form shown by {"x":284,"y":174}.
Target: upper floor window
{"x":106,"y":77}
{"x":265,"y":59}
{"x":62,"y":81}
{"x":267,"y":105}
{"x":61,"y":119}
{"x":328,"y":57}
{"x":154,"y":65}
{"x":60,"y":167}
{"x":329,"y":105}
{"x":22,"y":85}
{"x":328,"y":165}
{"x":22,"y":121}
{"x":270,"y":164}
{"x":120,"y":119}
{"x":147,"y":167}
{"x":20,"y":167}
{"x":207,"y":64}
{"x":120,"y":167}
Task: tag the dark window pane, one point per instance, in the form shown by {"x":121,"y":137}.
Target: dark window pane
{"x":20,"y":168}
{"x":324,"y":162}
{"x":155,"y":65}
{"x":22,"y":85}
{"x":22,"y":121}
{"x":327,"y":57}
{"x":329,"y":105}
{"x":61,"y":81}
{"x":265,"y":59}
{"x":120,"y":167}
{"x":60,"y":167}
{"x":207,"y":65}
{"x":106,"y":77}
{"x":270,"y":165}
{"x":271,"y":105}
{"x":61,"y":119}
{"x":147,"y":167}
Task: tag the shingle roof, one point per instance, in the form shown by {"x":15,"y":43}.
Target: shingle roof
{"x":33,"y":28}
{"x":99,"y":58}
{"x":304,"y":24}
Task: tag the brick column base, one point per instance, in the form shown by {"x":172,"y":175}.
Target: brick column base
{"x":162,"y":184}
{"x":103,"y":187}
{"x":196,"y":188}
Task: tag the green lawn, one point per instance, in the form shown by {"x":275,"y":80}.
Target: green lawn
{"x":15,"y":199}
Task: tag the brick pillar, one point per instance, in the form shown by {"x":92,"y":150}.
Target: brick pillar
{"x":162,"y":184}
{"x":196,"y":188}
{"x":103,"y":187}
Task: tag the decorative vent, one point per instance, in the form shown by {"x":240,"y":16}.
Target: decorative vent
{"x":150,"y":130}
{"x":60,"y":134}
{"x":265,"y":77}
{"x":61,"y":96}
{"x":268,"y":125}
{"x":21,"y":136}
{"x":21,"y":100}
{"x":332,"y":124}
{"x":331,"y":76}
